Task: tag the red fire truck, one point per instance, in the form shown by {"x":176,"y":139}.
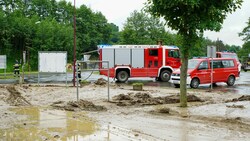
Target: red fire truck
{"x":127,"y":61}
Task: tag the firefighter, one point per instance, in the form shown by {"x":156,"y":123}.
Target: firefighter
{"x":16,"y":67}
{"x":159,"y":42}
{"x":79,"y":72}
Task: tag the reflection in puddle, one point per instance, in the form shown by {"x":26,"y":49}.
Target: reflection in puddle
{"x":45,"y":124}
{"x":221,"y":87}
{"x":237,"y":89}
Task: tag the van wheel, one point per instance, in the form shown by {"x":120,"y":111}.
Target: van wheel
{"x":177,"y":85}
{"x":165,"y":76}
{"x":122,"y":76}
{"x":230,"y":80}
{"x":195,"y":83}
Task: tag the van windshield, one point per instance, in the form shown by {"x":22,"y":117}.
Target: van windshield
{"x":234,"y":56}
{"x":192,"y":63}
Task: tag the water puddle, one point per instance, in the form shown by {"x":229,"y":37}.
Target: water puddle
{"x":45,"y":124}
{"x":231,"y":110}
{"x":236,"y":89}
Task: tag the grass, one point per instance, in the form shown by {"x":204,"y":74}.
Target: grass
{"x":137,"y":84}
{"x":10,"y":75}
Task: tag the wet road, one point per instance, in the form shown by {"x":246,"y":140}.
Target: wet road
{"x":242,"y":85}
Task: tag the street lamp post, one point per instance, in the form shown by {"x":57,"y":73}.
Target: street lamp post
{"x":74,"y":73}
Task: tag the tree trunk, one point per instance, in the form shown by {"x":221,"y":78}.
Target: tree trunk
{"x":183,"y":77}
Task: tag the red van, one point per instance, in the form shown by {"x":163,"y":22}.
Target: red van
{"x":199,"y":72}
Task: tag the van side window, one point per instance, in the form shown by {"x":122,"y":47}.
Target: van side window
{"x":228,"y":63}
{"x":217,"y":64}
{"x":203,"y":65}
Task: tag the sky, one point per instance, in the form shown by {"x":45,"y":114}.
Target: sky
{"x":117,"y":12}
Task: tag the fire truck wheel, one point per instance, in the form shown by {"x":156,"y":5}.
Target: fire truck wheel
{"x":122,"y":76}
{"x":156,"y":78}
{"x":165,"y":76}
{"x":230,"y":80}
{"x":195,"y":83}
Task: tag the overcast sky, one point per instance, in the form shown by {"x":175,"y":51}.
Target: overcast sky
{"x":117,"y":11}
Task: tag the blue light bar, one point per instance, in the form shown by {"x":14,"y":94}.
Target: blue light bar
{"x":103,"y":46}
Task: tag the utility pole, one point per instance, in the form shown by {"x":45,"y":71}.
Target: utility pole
{"x":74,"y":73}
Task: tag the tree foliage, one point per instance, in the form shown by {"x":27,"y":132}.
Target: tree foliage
{"x":245,"y":51}
{"x":246,"y":32}
{"x":190,"y":18}
{"x":141,"y":28}
{"x":47,"y":25}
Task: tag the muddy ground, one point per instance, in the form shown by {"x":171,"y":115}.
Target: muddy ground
{"x":52,"y":112}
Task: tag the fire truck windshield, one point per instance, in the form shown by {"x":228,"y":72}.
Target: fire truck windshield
{"x":174,"y":53}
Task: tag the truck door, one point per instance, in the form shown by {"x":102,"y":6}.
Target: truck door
{"x":173,"y":58}
{"x":153,"y":60}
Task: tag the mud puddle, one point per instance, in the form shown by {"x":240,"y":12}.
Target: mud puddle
{"x":240,"y":89}
{"x":45,"y":124}
{"x":221,"y":87}
{"x":48,"y":124}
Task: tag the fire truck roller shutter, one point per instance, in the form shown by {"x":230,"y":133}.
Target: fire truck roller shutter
{"x":108,"y":55}
{"x":137,"y":60}
{"x":122,"y":56}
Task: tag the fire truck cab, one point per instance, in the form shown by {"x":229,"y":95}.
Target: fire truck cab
{"x":127,"y":61}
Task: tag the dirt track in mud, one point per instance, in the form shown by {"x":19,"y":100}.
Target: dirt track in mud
{"x":151,"y":114}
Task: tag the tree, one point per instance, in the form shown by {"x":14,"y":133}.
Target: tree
{"x":190,"y":18}
{"x":232,"y":48}
{"x":246,"y":32}
{"x":47,"y":25}
{"x":92,"y":29}
{"x":245,"y":50}
{"x":220,"y":45}
{"x":141,"y":28}
{"x":114,"y":33}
